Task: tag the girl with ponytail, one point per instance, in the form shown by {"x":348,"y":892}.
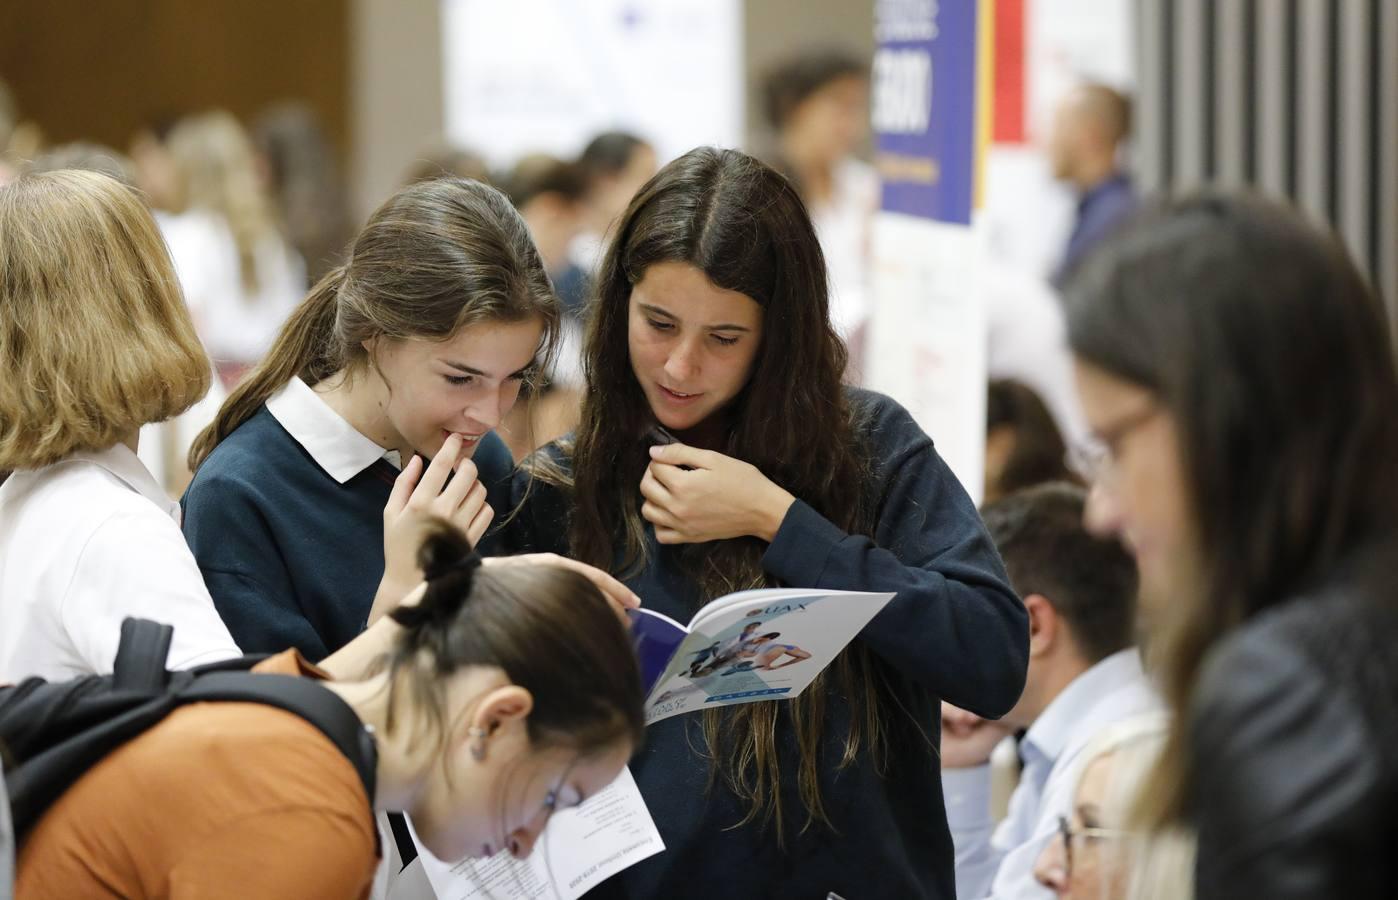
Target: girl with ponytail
{"x":413,"y":350}
{"x":712,"y":321}
{"x":481,"y":725}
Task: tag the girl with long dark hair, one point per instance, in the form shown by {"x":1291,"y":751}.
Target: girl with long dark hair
{"x":711,"y":321}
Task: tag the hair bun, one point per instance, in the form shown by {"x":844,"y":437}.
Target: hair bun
{"x":449,"y":564}
{"x":446,"y":552}
{"x":464,"y":565}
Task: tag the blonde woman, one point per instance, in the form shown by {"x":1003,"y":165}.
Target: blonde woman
{"x":239,"y":274}
{"x":1099,"y":854}
{"x":95,"y":342}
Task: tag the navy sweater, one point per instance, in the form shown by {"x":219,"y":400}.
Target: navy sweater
{"x":291,"y":556}
{"x":954,"y":631}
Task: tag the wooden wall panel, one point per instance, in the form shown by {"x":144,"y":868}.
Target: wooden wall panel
{"x":97,"y":69}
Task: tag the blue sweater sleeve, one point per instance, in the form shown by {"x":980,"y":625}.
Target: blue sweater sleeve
{"x":955,"y":626}
{"x":244,"y":571}
{"x":495,"y":467}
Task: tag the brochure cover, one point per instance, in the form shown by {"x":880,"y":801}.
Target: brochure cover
{"x":767,"y":644}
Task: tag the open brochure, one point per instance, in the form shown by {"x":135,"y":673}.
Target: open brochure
{"x":766,"y":644}
{"x":755,"y":645}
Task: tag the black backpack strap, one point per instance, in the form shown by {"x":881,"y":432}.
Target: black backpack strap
{"x":141,"y":655}
{"x":306,"y":698}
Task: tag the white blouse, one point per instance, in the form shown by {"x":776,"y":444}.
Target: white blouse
{"x":84,"y":543}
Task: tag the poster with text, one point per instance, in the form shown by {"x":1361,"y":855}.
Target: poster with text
{"x":930,"y":117}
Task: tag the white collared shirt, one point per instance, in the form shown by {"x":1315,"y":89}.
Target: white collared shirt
{"x":335,"y":444}
{"x":85,"y":543}
{"x":998,"y":861}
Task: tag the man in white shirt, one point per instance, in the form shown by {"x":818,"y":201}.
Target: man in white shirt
{"x":1083,"y":676}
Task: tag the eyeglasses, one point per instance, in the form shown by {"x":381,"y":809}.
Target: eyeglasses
{"x":1095,"y":457}
{"x":1067,"y":832}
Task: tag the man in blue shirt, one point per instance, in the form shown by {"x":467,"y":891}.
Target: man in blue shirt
{"x":1088,"y":128}
{"x":1083,"y":676}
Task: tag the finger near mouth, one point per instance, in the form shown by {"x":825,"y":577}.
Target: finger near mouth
{"x":466,"y":440}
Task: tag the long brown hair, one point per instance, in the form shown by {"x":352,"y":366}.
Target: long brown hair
{"x":1259,"y":337}
{"x":746,"y":229}
{"x":436,"y":257}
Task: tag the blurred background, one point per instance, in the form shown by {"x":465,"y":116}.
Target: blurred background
{"x":262,"y":133}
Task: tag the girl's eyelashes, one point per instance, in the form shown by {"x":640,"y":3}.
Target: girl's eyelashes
{"x":667,"y":327}
{"x":460,"y":380}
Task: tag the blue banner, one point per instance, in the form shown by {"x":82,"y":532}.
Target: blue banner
{"x":924,"y":107}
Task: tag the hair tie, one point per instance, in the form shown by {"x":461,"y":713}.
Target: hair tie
{"x":466,"y":565}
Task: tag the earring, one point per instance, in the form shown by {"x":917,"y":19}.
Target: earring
{"x":478,"y":736}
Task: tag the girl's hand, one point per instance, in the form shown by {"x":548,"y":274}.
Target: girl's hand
{"x":693,"y":496}
{"x":967,"y":739}
{"x":419,"y":497}
{"x":618,"y":594}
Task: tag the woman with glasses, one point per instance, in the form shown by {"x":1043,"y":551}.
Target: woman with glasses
{"x":1238,"y":370}
{"x":1096,"y":853}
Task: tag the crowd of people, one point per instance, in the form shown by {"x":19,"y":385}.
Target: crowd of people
{"x":416,"y":467}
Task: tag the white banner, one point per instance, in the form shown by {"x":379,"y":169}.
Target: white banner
{"x":528,"y":76}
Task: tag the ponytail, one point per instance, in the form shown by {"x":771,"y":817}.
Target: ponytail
{"x":305,"y":347}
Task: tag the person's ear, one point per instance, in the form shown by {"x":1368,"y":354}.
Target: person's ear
{"x":371,"y":350}
{"x":1043,"y":624}
{"x":499,"y":709}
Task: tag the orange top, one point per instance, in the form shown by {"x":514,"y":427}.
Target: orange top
{"x":219,"y":800}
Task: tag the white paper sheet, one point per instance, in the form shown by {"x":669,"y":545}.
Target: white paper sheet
{"x":580,"y":848}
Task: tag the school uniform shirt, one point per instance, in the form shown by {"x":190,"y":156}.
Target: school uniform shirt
{"x":218,"y":800}
{"x":998,"y":861}
{"x":955,"y":629}
{"x":84,"y":543}
{"x":285,"y":519}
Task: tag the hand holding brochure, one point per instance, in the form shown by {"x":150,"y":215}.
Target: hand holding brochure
{"x":755,"y":645}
